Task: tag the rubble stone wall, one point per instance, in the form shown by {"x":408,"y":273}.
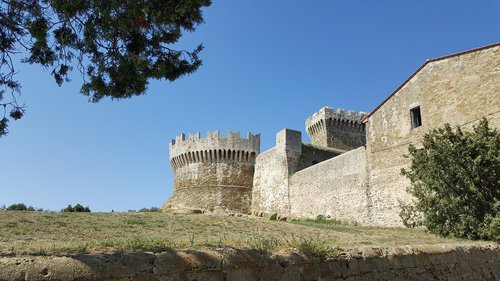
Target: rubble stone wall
{"x":400,"y":263}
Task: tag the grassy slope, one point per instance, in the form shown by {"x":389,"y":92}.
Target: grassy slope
{"x":70,"y":233}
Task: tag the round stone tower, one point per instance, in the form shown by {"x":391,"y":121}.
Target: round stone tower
{"x":337,"y":129}
{"x":213,"y":172}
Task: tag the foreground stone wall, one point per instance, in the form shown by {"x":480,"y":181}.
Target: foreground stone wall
{"x":459,"y":90}
{"x":400,"y":263}
{"x":336,"y":187}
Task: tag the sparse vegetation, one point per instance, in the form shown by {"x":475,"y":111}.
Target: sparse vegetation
{"x":61,"y":233}
{"x":262,"y":244}
{"x":317,"y":247}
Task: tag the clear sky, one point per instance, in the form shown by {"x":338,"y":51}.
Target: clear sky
{"x":267,"y":65}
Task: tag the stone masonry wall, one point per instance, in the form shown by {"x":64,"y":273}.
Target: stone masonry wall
{"x":287,"y":183}
{"x":337,"y":128}
{"x":207,"y":186}
{"x":458,"y":90}
{"x":213,"y":172}
{"x":311,"y":155}
{"x":336,"y":188}
{"x":270,"y":182}
{"x":388,"y":264}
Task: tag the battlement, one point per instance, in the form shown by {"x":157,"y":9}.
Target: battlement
{"x":340,"y":116}
{"x":336,"y":128}
{"x":213,"y":148}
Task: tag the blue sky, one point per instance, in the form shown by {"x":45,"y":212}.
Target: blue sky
{"x":268,"y":65}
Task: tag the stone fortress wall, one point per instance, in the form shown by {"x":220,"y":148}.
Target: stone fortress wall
{"x":291,"y":182}
{"x":352,"y":168}
{"x":458,"y":89}
{"x":213,"y":172}
{"x":365,"y":183}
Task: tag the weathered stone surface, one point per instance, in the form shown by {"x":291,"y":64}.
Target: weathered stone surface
{"x":270,"y":189}
{"x":458,"y":90}
{"x":335,"y":188}
{"x":235,"y":265}
{"x":337,"y":129}
{"x":213,"y":172}
{"x":365,"y":184}
{"x":328,"y":188}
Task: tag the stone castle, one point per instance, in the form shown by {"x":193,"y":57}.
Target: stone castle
{"x":351,"y":169}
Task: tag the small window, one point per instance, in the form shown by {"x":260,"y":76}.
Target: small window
{"x":416,"y":118}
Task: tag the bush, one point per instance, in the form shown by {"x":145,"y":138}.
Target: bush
{"x":456,"y":177}
{"x":409,"y":214}
{"x":493,"y":224}
{"x":152,"y":209}
{"x":17,"y":207}
{"x":20,"y":207}
{"x":76,"y":208}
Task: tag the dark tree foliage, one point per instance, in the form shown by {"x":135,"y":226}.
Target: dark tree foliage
{"x":76,"y":208}
{"x":17,"y":207}
{"x":117,"y":45}
{"x":152,"y":209}
{"x":456,"y":179}
{"x":22,"y":207}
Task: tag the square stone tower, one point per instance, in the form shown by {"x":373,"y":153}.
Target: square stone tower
{"x":337,"y":129}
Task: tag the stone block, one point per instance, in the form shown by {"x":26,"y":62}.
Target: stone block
{"x":366,"y":265}
{"x":437,"y":259}
{"x":394,"y":261}
{"x":382,"y":264}
{"x":310,"y":272}
{"x":407,"y":261}
{"x":292,"y":273}
{"x":352,"y":267}
{"x":215,"y":275}
{"x":242,"y":274}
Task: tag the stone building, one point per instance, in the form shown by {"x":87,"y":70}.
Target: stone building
{"x":213,"y":172}
{"x":458,"y":89}
{"x":351,"y":169}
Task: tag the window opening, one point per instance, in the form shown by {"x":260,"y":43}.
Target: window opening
{"x":416,"y":118}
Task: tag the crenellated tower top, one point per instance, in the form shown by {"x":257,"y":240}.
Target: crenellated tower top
{"x":213,"y":148}
{"x":337,"y":128}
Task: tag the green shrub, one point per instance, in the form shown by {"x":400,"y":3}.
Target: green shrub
{"x":152,"y":209}
{"x":320,"y":218}
{"x":409,"y":214}
{"x":274,"y":217}
{"x":20,"y":207}
{"x":17,"y":207}
{"x":76,"y":208}
{"x":456,"y":178}
{"x":492,"y":223}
